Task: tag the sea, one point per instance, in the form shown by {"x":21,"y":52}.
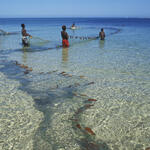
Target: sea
{"x":93,"y":95}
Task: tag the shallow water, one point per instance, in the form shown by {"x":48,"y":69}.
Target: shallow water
{"x":48,"y":108}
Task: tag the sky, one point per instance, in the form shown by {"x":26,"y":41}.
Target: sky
{"x":74,"y":8}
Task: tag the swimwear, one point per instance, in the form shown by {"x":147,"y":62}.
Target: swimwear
{"x":65,"y":43}
{"x":25,"y":41}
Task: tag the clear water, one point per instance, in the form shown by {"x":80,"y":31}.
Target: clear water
{"x":47,"y":110}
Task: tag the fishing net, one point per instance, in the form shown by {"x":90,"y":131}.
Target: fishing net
{"x":37,"y":41}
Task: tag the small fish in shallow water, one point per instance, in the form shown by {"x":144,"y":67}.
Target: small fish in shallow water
{"x":90,"y":83}
{"x":75,"y":120}
{"x":89,"y":130}
{"x":92,"y":100}
{"x":75,"y":94}
{"x":41,"y":73}
{"x":62,"y":72}
{"x":82,"y":76}
{"x":78,"y":126}
{"x":88,"y":106}
{"x":83,"y":95}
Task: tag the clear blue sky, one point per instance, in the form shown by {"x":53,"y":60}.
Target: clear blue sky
{"x":75,"y":8}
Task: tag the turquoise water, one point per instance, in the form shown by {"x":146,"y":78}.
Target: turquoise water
{"x":46,"y":109}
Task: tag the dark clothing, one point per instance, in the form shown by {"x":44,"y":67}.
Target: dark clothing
{"x":25,"y":41}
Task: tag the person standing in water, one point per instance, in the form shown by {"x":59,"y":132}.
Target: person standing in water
{"x":25,"y":41}
{"x":102,"y":34}
{"x":65,"y":37}
{"x":73,"y":27}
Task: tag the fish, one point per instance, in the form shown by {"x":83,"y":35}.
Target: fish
{"x":75,"y":94}
{"x":89,"y":130}
{"x":49,"y":72}
{"x":78,"y":126}
{"x":90,"y":83}
{"x":92,"y":100}
{"x":62,"y":72}
{"x":83,"y":95}
{"x":82,"y":76}
{"x":41,"y":73}
{"x":88,"y":106}
{"x":76,"y":120}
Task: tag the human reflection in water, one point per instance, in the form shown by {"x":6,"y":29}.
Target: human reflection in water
{"x":64,"y":56}
{"x":101,"y":44}
{"x":24,"y":56}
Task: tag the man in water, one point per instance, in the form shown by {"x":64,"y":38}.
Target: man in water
{"x":65,"y":37}
{"x":102,"y":34}
{"x":73,"y":26}
{"x":24,"y":36}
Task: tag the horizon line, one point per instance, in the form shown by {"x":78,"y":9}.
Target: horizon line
{"x":72,"y":17}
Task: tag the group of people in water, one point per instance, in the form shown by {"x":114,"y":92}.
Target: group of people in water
{"x":64,"y":35}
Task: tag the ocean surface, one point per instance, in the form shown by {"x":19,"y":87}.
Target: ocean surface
{"x":94,"y":95}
